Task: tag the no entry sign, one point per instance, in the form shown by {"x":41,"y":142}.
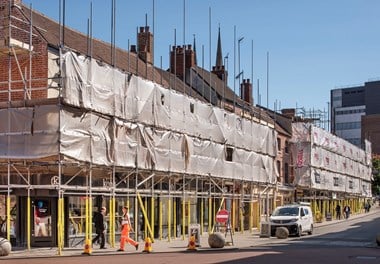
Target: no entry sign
{"x":222,"y":216}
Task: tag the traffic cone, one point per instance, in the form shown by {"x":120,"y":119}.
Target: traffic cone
{"x":87,"y":247}
{"x":148,"y":245}
{"x":191,"y":245}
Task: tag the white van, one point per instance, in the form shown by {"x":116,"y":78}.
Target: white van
{"x":297,"y":218}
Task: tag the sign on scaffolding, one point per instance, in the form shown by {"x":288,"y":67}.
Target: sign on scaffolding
{"x":222,"y":220}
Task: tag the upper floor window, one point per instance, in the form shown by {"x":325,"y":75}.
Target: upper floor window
{"x":229,"y":153}
{"x":286,"y":146}
{"x":279,"y":144}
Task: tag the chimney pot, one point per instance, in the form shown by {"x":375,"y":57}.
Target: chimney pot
{"x":141,"y":29}
{"x":147,"y":29}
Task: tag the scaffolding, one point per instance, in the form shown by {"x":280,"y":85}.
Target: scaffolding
{"x":88,"y":130}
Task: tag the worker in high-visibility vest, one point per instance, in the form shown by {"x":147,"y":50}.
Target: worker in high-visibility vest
{"x":126,"y":228}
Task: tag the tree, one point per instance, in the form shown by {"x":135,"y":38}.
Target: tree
{"x":376,"y":176}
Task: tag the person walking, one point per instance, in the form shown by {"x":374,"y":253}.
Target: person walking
{"x":126,"y":227}
{"x":100,"y":228}
{"x":347,"y":211}
{"x":338,"y":213}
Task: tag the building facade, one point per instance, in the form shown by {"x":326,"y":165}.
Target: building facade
{"x":350,"y":107}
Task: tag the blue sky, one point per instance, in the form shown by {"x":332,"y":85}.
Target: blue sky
{"x":313,"y":46}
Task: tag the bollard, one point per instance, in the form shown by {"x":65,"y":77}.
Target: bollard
{"x":148,"y":245}
{"x":87,"y":247}
{"x":191,"y":245}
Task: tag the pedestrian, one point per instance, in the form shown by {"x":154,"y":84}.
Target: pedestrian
{"x":347,"y":211}
{"x":126,"y":227}
{"x":100,"y":228}
{"x":338,"y":213}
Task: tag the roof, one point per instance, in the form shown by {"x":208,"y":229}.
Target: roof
{"x":127,"y":61}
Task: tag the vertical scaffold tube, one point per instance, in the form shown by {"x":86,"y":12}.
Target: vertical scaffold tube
{"x":209,"y":215}
{"x":233,"y":216}
{"x":183,"y":218}
{"x":146,"y":222}
{"x":152,"y":215}
{"x":202,"y":223}
{"x":28,"y":227}
{"x":250,"y":216}
{"x":241,"y":218}
{"x":188,"y":214}
{"x":169,"y":220}
{"x":160,"y":218}
{"x":174,"y":218}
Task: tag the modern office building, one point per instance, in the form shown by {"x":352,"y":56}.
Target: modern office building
{"x":354,"y":113}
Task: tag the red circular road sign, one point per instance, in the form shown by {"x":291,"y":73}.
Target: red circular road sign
{"x":222,"y":216}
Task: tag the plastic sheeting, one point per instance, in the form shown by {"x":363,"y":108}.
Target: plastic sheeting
{"x":106,"y":90}
{"x":30,"y":132}
{"x":110,"y":118}
{"x":105,"y":140}
{"x":326,"y":162}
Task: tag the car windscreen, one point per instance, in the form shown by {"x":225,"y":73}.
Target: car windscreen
{"x":286,"y":211}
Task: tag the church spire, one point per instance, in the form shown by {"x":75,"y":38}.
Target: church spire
{"x":219,"y":56}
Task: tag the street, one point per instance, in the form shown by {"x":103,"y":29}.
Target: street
{"x":347,"y":241}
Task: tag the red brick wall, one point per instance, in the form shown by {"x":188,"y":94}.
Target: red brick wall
{"x":20,"y":32}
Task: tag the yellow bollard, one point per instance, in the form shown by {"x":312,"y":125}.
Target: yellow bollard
{"x":87,"y":247}
{"x":148,"y":245}
{"x":191,"y":245}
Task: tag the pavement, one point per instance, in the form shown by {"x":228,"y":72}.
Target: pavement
{"x":244,"y":239}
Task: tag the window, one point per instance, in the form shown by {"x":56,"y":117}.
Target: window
{"x":351,"y":184}
{"x":229,"y":153}
{"x":336,"y":181}
{"x":317,"y":177}
{"x":348,"y":125}
{"x":286,"y":146}
{"x":279,"y":144}
{"x":286,"y":175}
{"x":279,"y":167}
{"x":191,"y":107}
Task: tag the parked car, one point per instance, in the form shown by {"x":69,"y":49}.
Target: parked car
{"x":297,"y":218}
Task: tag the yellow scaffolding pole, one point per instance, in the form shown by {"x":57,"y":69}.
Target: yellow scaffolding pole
{"x":250,"y":216}
{"x":9,"y":218}
{"x":87,"y":221}
{"x":145,"y":216}
{"x":169,"y":219}
{"x":152,"y":215}
{"x":112,"y":222}
{"x":174,"y":218}
{"x":145,"y":222}
{"x":241,"y":218}
{"x":160,"y":219}
{"x":28,"y":226}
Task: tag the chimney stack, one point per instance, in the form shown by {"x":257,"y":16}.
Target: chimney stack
{"x":246,"y":91}
{"x":145,"y":45}
{"x":176,"y":59}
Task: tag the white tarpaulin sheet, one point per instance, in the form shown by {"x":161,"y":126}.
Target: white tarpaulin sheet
{"x":324,"y":161}
{"x":30,"y":132}
{"x":128,"y":121}
{"x":106,"y":90}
